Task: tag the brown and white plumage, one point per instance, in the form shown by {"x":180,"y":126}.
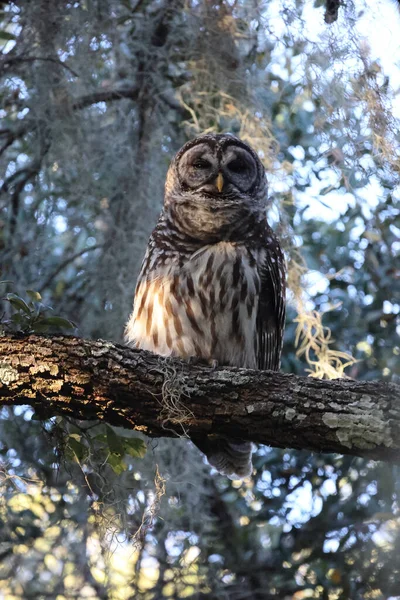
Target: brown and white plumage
{"x":212,"y":283}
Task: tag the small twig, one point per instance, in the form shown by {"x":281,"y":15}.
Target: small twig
{"x":173,"y":103}
{"x":27,"y":172}
{"x":7,"y":62}
{"x":66,"y":262}
{"x":77,"y":104}
{"x":16,"y":134}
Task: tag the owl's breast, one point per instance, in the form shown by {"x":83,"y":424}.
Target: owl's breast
{"x":205,"y":308}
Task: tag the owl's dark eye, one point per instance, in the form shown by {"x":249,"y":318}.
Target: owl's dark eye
{"x":201,"y":163}
{"x":237,"y":165}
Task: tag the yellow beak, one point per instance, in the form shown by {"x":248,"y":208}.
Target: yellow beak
{"x":220,"y":182}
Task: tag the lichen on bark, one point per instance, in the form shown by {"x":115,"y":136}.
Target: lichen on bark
{"x":89,"y":380}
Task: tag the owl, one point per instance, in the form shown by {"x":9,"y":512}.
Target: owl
{"x":212,"y":282}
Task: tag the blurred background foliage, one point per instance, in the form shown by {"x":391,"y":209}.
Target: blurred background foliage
{"x":95,"y":98}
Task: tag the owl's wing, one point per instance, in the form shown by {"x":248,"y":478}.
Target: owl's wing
{"x":271,"y":308}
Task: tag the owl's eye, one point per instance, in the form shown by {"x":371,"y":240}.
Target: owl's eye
{"x":201,"y":163}
{"x":237,"y":165}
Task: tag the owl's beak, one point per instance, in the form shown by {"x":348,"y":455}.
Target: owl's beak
{"x":220,"y":182}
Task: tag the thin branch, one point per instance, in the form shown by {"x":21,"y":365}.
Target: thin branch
{"x":15,"y":60}
{"x":65,"y":263}
{"x":20,"y":178}
{"x":105,"y":96}
{"x":15,"y":134}
{"x":30,"y":125}
{"x":21,"y":175}
{"x":169,"y":99}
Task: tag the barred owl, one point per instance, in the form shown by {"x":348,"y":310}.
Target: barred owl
{"x":212,"y":283}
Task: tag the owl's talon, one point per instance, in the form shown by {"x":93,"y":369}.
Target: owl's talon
{"x":204,"y":362}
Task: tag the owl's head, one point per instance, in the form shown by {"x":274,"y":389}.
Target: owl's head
{"x":215,"y":186}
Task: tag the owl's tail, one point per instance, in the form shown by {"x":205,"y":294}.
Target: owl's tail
{"x":230,"y":457}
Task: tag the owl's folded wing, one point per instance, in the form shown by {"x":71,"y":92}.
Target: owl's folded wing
{"x":271,"y":309}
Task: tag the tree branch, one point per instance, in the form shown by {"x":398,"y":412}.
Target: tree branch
{"x":106,"y":95}
{"x":14,"y":134}
{"x":10,"y":61}
{"x":163,"y":397}
{"x":30,"y":125}
{"x":66,"y":262}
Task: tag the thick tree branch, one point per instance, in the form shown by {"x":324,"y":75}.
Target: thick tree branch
{"x":164,"y":397}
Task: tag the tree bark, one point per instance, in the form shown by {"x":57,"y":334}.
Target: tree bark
{"x":129,"y":388}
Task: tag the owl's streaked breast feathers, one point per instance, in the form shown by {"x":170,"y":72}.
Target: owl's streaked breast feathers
{"x":212,"y":283}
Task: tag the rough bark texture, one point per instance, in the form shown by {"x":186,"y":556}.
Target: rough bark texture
{"x":162,"y":397}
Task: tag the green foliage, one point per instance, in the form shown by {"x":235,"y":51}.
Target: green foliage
{"x":31,"y":316}
{"x":82,"y":445}
{"x":6,"y":36}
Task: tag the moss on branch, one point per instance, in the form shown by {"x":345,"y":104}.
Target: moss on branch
{"x":88,"y":380}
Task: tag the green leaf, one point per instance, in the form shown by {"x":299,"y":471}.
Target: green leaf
{"x":17,"y":319}
{"x":34,"y":296}
{"x":117,"y":464}
{"x":6,"y":35}
{"x":39,"y":327}
{"x":115,"y":443}
{"x":79,"y":450}
{"x":135,"y":447}
{"x":101,"y":437}
{"x":74,"y":429}
{"x":18,"y":303}
{"x":53,"y":322}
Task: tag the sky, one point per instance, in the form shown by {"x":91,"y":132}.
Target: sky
{"x":380,"y":25}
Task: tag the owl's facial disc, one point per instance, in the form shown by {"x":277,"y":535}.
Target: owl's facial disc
{"x":215,"y":173}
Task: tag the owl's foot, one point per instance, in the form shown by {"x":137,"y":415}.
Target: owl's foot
{"x":230,"y":457}
{"x":205,"y":362}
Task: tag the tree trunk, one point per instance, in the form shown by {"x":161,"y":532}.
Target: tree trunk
{"x":129,"y":388}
